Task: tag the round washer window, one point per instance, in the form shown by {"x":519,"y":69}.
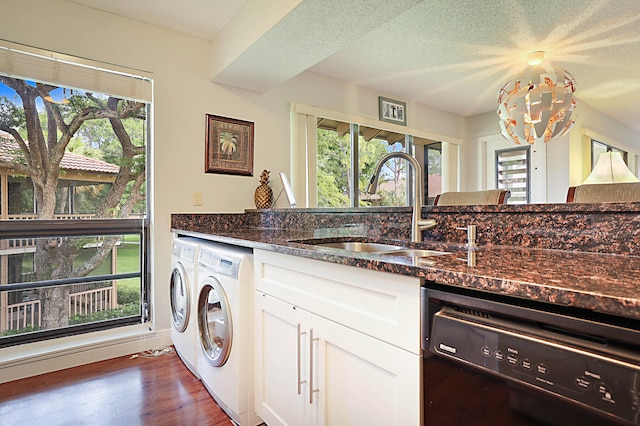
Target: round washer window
{"x":180,"y":300}
{"x":214,"y":322}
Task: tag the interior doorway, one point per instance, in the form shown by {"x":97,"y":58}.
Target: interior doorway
{"x":490,"y":162}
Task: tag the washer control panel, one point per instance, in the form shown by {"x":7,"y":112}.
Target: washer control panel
{"x":217,"y":262}
{"x":575,"y":372}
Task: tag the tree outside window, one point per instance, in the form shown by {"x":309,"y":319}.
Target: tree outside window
{"x":68,"y":153}
{"x":334,"y":168}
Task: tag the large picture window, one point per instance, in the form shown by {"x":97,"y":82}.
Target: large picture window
{"x":345,"y":165}
{"x":73,"y":192}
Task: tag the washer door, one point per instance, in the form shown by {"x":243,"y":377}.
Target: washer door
{"x":214,"y":322}
{"x":180,"y":298}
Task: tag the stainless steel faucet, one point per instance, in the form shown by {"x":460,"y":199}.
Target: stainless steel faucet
{"x":417,"y":223}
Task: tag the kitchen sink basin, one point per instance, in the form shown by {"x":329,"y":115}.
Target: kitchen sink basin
{"x":415,"y":253}
{"x":377,"y":248}
{"x":360,"y":246}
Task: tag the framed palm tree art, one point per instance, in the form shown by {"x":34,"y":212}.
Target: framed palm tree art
{"x":229,"y":146}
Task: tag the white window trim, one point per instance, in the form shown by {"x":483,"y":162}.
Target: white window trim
{"x":375,"y":123}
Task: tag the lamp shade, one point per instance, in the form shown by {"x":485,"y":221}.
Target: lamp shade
{"x":610,"y":168}
{"x":537,"y":104}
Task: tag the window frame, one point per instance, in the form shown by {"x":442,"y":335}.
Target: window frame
{"x":355,"y":133}
{"x":12,"y":229}
{"x":34,"y":64}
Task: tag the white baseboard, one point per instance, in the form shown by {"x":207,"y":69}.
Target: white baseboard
{"x":32,"y":359}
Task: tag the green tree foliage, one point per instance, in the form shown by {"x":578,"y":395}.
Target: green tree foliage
{"x":370,"y":152}
{"x":334,"y":170}
{"x":394,"y":175}
{"x":96,"y":139}
{"x":434,"y":159}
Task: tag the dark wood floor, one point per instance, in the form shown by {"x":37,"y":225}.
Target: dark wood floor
{"x":121,"y":391}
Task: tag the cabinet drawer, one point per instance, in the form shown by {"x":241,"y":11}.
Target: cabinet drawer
{"x":382,"y":305}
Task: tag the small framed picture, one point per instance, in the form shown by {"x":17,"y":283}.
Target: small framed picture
{"x":392,"y":111}
{"x":228,"y":146}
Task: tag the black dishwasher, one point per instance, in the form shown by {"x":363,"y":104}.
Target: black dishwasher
{"x":497,"y":360}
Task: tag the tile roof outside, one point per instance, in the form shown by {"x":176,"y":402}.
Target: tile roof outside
{"x":9,"y":150}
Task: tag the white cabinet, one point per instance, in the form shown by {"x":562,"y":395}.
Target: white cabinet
{"x":280,"y":354}
{"x":316,"y":364}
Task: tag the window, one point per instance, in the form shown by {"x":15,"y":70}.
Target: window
{"x":373,"y":144}
{"x":334,"y":164}
{"x":73,"y":186}
{"x":512,"y":173}
{"x":433,"y":172}
{"x":339,"y":185}
{"x":598,"y":148}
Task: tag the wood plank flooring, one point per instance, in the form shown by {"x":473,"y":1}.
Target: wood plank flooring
{"x":121,"y":391}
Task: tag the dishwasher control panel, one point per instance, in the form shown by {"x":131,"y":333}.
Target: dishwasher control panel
{"x":558,"y":366}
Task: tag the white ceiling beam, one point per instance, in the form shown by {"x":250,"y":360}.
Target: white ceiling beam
{"x":268,"y":43}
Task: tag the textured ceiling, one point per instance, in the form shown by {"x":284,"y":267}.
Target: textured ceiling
{"x":451,"y":54}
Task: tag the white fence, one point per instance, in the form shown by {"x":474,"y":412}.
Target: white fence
{"x":29,"y":313}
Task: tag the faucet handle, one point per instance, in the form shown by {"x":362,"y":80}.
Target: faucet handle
{"x":471,"y":235}
{"x":427,"y":223}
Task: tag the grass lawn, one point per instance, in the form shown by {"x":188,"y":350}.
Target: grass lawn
{"x":128,"y":260}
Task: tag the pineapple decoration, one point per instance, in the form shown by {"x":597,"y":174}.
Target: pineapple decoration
{"x":263,"y":196}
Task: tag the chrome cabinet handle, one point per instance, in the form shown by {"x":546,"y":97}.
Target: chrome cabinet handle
{"x":311,"y":389}
{"x":298,"y":347}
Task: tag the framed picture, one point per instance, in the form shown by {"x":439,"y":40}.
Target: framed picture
{"x":392,"y":111}
{"x":229,"y":146}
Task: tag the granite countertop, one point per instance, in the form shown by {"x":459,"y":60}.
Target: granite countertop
{"x":602,"y":283}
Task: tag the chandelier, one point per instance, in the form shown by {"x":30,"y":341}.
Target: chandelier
{"x":537,"y":103}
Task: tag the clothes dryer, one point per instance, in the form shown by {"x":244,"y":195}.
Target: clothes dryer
{"x":225,"y":356}
{"x":184,"y":327}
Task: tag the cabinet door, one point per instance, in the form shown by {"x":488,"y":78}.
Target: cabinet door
{"x":361,"y":380}
{"x":282,"y":348}
{"x":356,"y":379}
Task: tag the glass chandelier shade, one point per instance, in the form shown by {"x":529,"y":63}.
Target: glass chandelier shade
{"x":537,"y":104}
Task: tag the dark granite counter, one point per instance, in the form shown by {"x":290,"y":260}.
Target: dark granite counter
{"x":595,"y":281}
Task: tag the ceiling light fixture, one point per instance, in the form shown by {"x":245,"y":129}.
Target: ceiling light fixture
{"x":537,"y":103}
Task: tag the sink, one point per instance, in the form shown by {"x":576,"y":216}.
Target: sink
{"x":414,"y":253}
{"x":377,"y":248}
{"x":360,"y":246}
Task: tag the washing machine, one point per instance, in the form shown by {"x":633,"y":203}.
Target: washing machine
{"x":225,"y":355}
{"x":182,"y":294}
